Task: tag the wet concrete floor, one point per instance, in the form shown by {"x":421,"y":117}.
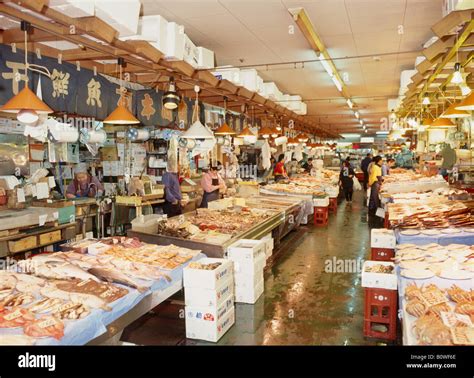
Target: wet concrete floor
{"x":307,"y":299}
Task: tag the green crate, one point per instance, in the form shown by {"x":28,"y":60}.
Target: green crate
{"x":67,"y":214}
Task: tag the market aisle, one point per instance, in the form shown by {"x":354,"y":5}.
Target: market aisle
{"x":302,"y":304}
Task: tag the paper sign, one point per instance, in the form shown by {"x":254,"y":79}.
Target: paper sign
{"x":380,"y":212}
{"x":42,"y":190}
{"x":190,"y":182}
{"x":20,"y":194}
{"x":42,"y":219}
{"x":51,"y":182}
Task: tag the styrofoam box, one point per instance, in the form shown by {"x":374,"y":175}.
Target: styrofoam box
{"x":250,"y":79}
{"x":232,"y":74}
{"x":303,"y":109}
{"x":208,"y":279}
{"x":294,"y":102}
{"x":205,"y":58}
{"x":379,"y":280}
{"x":321,"y":202}
{"x":194,"y":296}
{"x":209,"y":331}
{"x":191,"y":54}
{"x":248,"y":268}
{"x":152,"y":29}
{"x":122,"y":15}
{"x":249,"y":295}
{"x":174,"y":41}
{"x":382,"y":238}
{"x":73,"y":8}
{"x":272,"y":91}
{"x":210,"y":314}
{"x":248,"y":281}
{"x":246,"y":250}
{"x":285,"y":101}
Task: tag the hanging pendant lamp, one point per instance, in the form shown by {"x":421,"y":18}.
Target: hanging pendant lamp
{"x":121,"y":115}
{"x":442,"y":123}
{"x":224,"y":129}
{"x":454,"y":112}
{"x":27,"y":106}
{"x":170,"y":97}
{"x":467,"y":104}
{"x":197,"y":129}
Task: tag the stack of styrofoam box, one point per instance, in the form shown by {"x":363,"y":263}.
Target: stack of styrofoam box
{"x":232,"y":74}
{"x":272,"y":92}
{"x":249,"y":261}
{"x":175,"y":38}
{"x":209,"y":300}
{"x":205,"y":58}
{"x":152,"y":29}
{"x":121,"y":15}
{"x":303,"y":109}
{"x":73,"y":8}
{"x":250,"y":80}
{"x":285,"y":101}
{"x":294,"y":102}
{"x":269,"y":244}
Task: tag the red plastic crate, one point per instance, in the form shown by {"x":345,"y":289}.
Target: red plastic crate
{"x":382,"y":254}
{"x":321,"y":216}
{"x":333,"y":205}
{"x":381,"y":308}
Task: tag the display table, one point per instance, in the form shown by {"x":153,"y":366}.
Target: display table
{"x":442,"y":239}
{"x":102,"y":325}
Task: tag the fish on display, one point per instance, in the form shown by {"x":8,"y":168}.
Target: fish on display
{"x":114,"y":275}
{"x":55,"y":270}
{"x":93,"y":301}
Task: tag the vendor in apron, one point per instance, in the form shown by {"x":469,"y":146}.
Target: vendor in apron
{"x":211,"y":183}
{"x":84,"y":185}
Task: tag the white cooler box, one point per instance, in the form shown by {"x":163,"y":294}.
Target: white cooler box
{"x":321,"y":202}
{"x":208,"y":279}
{"x":246,"y":251}
{"x":379,"y":280}
{"x":249,"y":294}
{"x":269,"y":245}
{"x":194,"y":296}
{"x":382,"y":238}
{"x":209,"y":323}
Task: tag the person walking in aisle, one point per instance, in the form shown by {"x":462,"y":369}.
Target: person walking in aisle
{"x":386,"y":166}
{"x":346,"y":180}
{"x":375,"y":180}
{"x":364,"y":166}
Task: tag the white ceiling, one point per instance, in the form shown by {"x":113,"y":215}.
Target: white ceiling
{"x":248,"y":32}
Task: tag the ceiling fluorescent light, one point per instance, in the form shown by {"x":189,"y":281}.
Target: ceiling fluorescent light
{"x":326,"y":65}
{"x":337,"y":83}
{"x":350,"y":104}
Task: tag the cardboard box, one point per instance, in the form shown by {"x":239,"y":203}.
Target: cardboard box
{"x":379,"y":280}
{"x":249,"y":295}
{"x":198,"y":329}
{"x":246,"y":250}
{"x":208,"y":279}
{"x":382,"y":238}
{"x":194,"y":296}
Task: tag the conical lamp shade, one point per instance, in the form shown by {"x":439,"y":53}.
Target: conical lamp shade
{"x":225,"y":129}
{"x":467,"y":103}
{"x":442,"y":122}
{"x":26,"y":100}
{"x":245,"y":133}
{"x":292,"y":142}
{"x":302,"y":138}
{"x":198,"y":131}
{"x":453,"y":112}
{"x":265,"y":132}
{"x":427,"y":121}
{"x":121,"y":116}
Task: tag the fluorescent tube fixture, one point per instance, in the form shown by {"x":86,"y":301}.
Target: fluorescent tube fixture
{"x":382,"y":132}
{"x":337,"y":83}
{"x":326,"y":65}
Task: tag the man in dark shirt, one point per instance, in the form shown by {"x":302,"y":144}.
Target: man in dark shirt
{"x":173,"y":197}
{"x":364,"y":166}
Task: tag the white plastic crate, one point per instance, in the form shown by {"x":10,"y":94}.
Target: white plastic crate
{"x":379,"y":280}
{"x":174,"y":41}
{"x":208,"y":279}
{"x":208,"y":297}
{"x":382,"y":238}
{"x":205,"y":58}
{"x":212,"y":331}
{"x":249,"y":295}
